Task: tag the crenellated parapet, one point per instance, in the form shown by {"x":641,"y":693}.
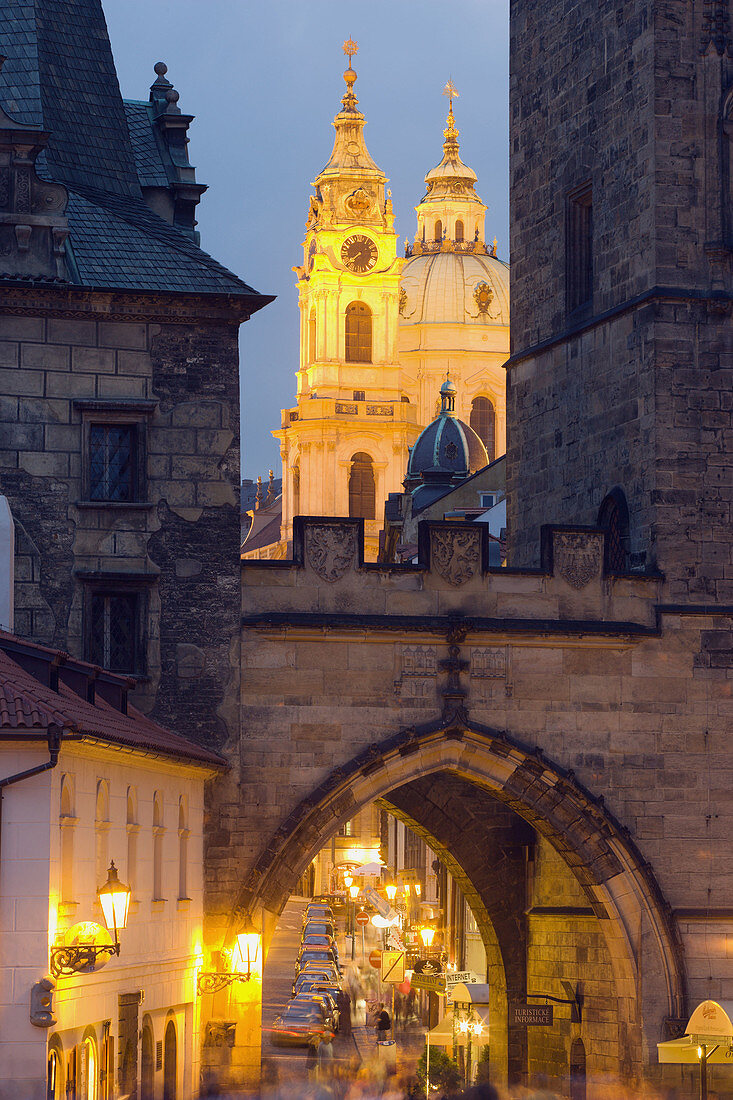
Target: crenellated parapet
{"x":327,"y":584}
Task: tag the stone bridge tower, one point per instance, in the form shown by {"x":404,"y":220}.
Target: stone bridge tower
{"x":621,"y":243}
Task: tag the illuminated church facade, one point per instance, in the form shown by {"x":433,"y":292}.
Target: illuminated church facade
{"x":379,"y":331}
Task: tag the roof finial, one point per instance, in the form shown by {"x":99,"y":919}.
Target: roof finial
{"x":447,"y":395}
{"x":451,"y":132}
{"x":349,"y":100}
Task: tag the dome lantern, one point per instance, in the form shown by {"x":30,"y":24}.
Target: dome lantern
{"x":444,"y":454}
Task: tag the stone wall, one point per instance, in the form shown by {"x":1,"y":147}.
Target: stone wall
{"x":173,"y":366}
{"x":359,"y":678}
{"x":634,"y":391}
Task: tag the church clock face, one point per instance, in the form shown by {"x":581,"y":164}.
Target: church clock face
{"x":359,"y":253}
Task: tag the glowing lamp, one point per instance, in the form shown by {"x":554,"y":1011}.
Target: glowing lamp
{"x":418,"y":889}
{"x":427,"y":935}
{"x":114,"y":897}
{"x":407,"y":889}
{"x":247,"y":951}
{"x":348,"y":881}
{"x":354,"y":891}
{"x":390,"y":891}
{"x":463,"y":1026}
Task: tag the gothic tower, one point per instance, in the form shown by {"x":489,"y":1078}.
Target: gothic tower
{"x":344,"y":444}
{"x":619,"y":381}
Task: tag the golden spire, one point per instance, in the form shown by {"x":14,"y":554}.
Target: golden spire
{"x":451,"y":131}
{"x":349,"y":100}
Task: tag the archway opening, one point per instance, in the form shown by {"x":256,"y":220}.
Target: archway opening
{"x":362,"y":487}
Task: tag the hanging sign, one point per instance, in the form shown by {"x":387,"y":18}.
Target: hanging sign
{"x":431,"y":983}
{"x":530,"y":1015}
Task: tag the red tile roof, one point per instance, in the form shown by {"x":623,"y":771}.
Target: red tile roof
{"x":28,"y":705}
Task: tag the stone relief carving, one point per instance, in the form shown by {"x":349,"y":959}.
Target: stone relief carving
{"x":488,"y":664}
{"x":577,"y":557}
{"x":455,"y":555}
{"x":417,"y":673}
{"x":330,"y":550}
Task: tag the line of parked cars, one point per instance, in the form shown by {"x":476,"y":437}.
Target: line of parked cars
{"x":313,"y":1011}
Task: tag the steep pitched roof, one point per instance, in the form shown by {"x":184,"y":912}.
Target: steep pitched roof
{"x":59,"y":76}
{"x":29,"y":706}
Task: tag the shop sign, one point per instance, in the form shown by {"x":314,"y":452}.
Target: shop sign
{"x":431,"y":983}
{"x":530,"y":1015}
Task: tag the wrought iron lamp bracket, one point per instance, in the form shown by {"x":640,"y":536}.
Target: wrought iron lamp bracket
{"x":82,"y":957}
{"x":215,"y":981}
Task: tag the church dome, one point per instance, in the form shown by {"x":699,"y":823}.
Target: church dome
{"x":444,"y":454}
{"x":454,"y":287}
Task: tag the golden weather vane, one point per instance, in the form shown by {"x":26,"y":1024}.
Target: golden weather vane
{"x":451,"y":91}
{"x":350,"y":48}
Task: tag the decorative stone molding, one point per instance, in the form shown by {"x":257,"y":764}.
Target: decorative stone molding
{"x":577,"y":556}
{"x":455,"y":554}
{"x":330,"y":549}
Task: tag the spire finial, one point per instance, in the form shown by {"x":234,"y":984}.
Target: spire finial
{"x":451,"y":132}
{"x":349,"y":100}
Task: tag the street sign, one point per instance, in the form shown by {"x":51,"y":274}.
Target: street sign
{"x":375,"y":959}
{"x":467,"y":977}
{"x":530,"y":1015}
{"x":362,"y":917}
{"x":433,"y":983}
{"x":380,"y":904}
{"x":393,"y":967}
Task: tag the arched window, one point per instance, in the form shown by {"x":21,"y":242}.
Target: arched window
{"x":101,"y":833}
{"x":183,"y":835}
{"x":132,"y":830}
{"x":358,"y":333}
{"x":438,"y":233}
{"x":67,"y":821}
{"x":459,"y":230}
{"x":158,"y":834}
{"x":296,"y":489}
{"x":312,"y":337}
{"x":147,"y":1068}
{"x":89,"y":1069}
{"x":483,"y":422}
{"x":577,"y":1070}
{"x":55,"y":1084}
{"x":613,"y":517}
{"x":362,"y":490}
{"x":170,"y":1066}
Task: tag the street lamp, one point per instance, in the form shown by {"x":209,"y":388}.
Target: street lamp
{"x":390,"y":890}
{"x":427,"y":935}
{"x":86,"y":950}
{"x":348,"y":881}
{"x":354,"y":892}
{"x":245,"y":959}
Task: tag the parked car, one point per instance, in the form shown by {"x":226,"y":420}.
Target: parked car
{"x":323,"y":973}
{"x":337,"y":902}
{"x":331,"y":1012}
{"x":306,"y":984}
{"x":316,"y":955}
{"x":313,"y":939}
{"x":318,"y":912}
{"x":300,"y":1023}
{"x":319,"y":928}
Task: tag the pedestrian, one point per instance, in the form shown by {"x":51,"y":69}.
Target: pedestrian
{"x":384,"y":1024}
{"x":325,"y":1053}
{"x":343,"y":1003}
{"x":311,"y":1060}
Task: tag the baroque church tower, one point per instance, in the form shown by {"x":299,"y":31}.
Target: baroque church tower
{"x":344,"y":444}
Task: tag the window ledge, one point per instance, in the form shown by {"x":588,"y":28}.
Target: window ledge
{"x":157,"y":905}
{"x":182,"y":904}
{"x":117,"y":505}
{"x":67,"y":908}
{"x":134,"y":907}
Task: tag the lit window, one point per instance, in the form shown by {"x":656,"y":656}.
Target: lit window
{"x":89,"y":1075}
{"x":358,"y":333}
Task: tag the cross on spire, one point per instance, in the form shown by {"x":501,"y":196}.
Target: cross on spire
{"x":451,"y":91}
{"x":350,"y":48}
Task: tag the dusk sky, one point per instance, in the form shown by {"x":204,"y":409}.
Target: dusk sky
{"x":264,"y":81}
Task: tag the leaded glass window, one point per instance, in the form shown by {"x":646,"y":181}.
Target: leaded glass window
{"x":112,"y":455}
{"x":113,"y":631}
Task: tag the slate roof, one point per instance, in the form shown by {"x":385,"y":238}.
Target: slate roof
{"x":29,"y":706}
{"x":59,"y":75}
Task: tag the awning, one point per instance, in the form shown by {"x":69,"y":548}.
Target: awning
{"x":473,"y":993}
{"x":684,"y":1051}
{"x":442,"y":1034}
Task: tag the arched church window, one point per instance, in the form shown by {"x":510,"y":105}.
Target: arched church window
{"x":439,"y":230}
{"x":358,"y":333}
{"x":459,"y":230}
{"x":362,"y":490}
{"x":312,"y":337}
{"x":613,"y":517}
{"x":483,"y":422}
{"x":296,"y":489}
{"x":577,"y":1070}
